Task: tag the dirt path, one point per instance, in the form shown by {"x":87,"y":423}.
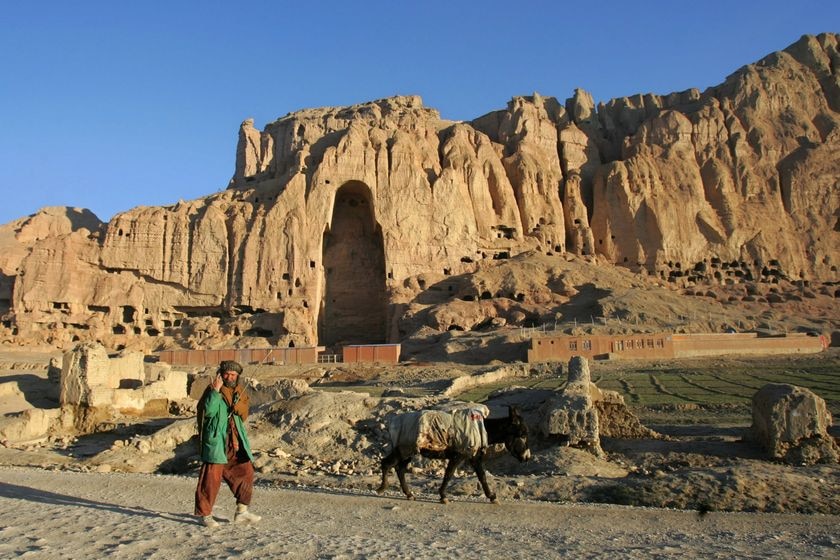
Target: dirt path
{"x":50,"y":514}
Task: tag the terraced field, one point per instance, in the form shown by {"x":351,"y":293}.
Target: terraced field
{"x":715,"y":390}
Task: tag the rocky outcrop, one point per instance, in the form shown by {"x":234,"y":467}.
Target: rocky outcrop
{"x":337,"y":218}
{"x":703,"y":175}
{"x":792,"y":424}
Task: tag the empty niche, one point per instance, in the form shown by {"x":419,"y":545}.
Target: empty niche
{"x":354,"y":297}
{"x":128,"y":313}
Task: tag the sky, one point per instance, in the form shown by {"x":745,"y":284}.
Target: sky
{"x":108,"y":105}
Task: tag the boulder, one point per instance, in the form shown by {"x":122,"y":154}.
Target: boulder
{"x":792,"y":423}
{"x":572,"y":417}
{"x":29,"y":425}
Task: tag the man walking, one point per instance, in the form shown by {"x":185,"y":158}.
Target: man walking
{"x":225,"y":449}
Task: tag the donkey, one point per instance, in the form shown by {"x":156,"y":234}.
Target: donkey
{"x":512,"y":431}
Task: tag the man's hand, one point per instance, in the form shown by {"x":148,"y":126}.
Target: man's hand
{"x":216,"y":384}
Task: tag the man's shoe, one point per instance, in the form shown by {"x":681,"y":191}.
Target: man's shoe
{"x":208,"y":521}
{"x":245,"y":516}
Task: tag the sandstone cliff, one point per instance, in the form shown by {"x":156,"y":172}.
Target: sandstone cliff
{"x":337,"y":219}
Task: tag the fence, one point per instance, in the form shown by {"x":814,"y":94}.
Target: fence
{"x":665,"y":323}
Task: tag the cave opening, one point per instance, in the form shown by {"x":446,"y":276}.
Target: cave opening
{"x":353,"y":308}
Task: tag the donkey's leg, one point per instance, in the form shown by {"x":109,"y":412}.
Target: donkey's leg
{"x":451,"y":465}
{"x":388,"y":463}
{"x":477,"y":463}
{"x":402,"y":466}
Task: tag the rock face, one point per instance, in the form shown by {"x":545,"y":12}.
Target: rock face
{"x":337,"y":218}
{"x":792,"y":423}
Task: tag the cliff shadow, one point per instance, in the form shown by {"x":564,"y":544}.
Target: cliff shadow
{"x":442,"y":291}
{"x":30,"y":494}
{"x":585,"y":306}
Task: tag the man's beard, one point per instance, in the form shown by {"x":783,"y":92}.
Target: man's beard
{"x":231,"y":384}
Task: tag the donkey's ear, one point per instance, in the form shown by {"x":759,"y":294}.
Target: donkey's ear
{"x":513,"y":412}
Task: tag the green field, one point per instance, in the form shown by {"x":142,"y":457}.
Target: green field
{"x":691,"y":389}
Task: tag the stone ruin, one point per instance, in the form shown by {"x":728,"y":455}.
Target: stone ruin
{"x":792,"y":424}
{"x":124,"y":383}
{"x":581,"y":413}
{"x":96,"y":387}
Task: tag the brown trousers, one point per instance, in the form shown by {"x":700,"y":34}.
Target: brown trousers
{"x":238,"y":473}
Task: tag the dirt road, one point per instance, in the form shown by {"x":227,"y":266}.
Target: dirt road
{"x":59,"y":514}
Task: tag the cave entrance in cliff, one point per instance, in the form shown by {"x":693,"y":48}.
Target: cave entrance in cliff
{"x":353,"y":309}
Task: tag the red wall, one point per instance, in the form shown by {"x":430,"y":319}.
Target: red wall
{"x":242,"y":355}
{"x":372,"y":353}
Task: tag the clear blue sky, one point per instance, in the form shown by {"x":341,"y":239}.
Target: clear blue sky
{"x":108,"y":105}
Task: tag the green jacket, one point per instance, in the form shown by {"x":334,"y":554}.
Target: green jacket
{"x":214,"y":429}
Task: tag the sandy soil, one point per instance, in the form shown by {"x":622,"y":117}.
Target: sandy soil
{"x":64,"y":498}
{"x":55,"y":515}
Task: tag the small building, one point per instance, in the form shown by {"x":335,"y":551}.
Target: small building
{"x":594,"y":347}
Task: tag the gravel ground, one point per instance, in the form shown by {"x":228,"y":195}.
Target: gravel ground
{"x":60,"y":514}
